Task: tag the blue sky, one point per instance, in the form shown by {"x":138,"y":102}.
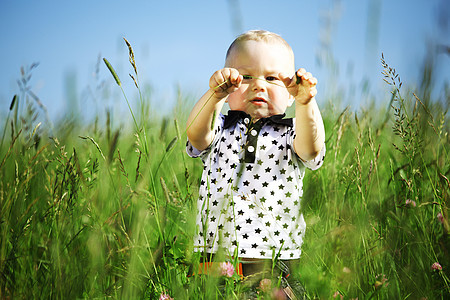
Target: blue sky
{"x":181,"y":43}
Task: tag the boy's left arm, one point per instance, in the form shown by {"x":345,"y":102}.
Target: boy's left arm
{"x":309,"y":128}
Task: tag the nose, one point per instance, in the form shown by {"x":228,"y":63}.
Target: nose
{"x":259,"y":85}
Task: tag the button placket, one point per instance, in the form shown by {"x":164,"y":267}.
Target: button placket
{"x":252,"y":141}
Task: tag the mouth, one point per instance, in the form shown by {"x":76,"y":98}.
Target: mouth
{"x":258,"y":100}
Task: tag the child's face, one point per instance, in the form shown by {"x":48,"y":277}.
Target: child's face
{"x":262,"y":93}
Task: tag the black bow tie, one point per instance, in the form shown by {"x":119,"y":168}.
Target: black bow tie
{"x":235,"y":115}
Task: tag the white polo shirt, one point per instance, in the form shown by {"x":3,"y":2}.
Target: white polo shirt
{"x":251,"y":188}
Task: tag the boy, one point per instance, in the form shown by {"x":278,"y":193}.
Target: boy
{"x":254,"y":159}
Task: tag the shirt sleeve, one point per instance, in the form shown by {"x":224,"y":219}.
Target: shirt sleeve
{"x":316,"y":162}
{"x":194,"y":152}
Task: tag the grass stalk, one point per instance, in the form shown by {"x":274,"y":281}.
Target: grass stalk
{"x":73,"y":225}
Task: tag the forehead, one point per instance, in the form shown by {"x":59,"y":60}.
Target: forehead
{"x":252,"y":53}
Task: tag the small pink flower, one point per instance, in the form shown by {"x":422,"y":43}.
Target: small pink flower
{"x":440,"y":218}
{"x":336,"y":294}
{"x":265,"y":285}
{"x":165,"y":296}
{"x":279,"y":294}
{"x":381,"y":281}
{"x":410,"y":202}
{"x":226,"y":269}
{"x":436,"y":266}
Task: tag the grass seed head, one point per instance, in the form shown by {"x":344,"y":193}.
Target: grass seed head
{"x":171,"y":144}
{"x":134,"y":80}
{"x":131,"y":55}
{"x":114,"y":74}
{"x":14,"y":99}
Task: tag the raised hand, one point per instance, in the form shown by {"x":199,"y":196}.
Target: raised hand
{"x":224,"y":82}
{"x":302,"y":86}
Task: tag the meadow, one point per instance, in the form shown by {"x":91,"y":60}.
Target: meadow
{"x":106,"y":208}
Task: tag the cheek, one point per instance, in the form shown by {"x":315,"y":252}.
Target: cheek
{"x":279,"y":95}
{"x":281,"y":98}
{"x":242,"y":90}
{"x":237,"y":97}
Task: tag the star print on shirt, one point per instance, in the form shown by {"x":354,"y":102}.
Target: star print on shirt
{"x":246,"y":204}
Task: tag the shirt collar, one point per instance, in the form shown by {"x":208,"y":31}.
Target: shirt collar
{"x":235,"y":115}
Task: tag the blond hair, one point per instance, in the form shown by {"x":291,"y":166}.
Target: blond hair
{"x":258,"y":35}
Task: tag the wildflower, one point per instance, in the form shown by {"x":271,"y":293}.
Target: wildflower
{"x":381,"y":281}
{"x":226,"y":269}
{"x":440,"y":217}
{"x":410,"y":203}
{"x":265,"y":285}
{"x":346,"y":270}
{"x":279,"y":294}
{"x":436,"y":266}
{"x":336,"y":294}
{"x":165,"y":296}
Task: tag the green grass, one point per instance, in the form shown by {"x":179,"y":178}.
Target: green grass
{"x":98,"y":212}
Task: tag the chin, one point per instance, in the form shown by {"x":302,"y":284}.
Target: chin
{"x":257,"y":115}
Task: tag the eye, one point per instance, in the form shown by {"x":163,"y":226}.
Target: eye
{"x":246,"y":77}
{"x":271,"y":78}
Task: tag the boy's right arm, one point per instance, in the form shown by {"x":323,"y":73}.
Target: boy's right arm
{"x":199,"y":129}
